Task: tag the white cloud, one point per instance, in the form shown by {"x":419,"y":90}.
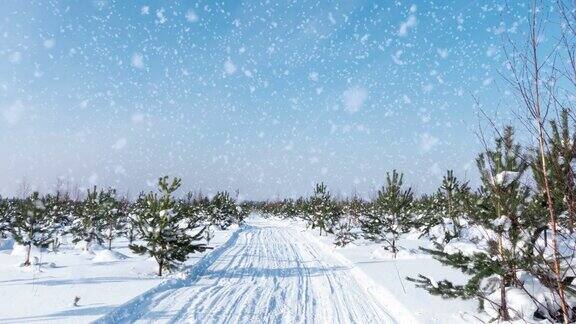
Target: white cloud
{"x":93,"y":179}
{"x":397,"y":57}
{"x":405,"y":27}
{"x":442,"y":52}
{"x":144,"y":10}
{"x":491,"y":51}
{"x":49,"y":43}
{"x":160,"y":17}
{"x":13,"y":113}
{"x":137,"y":118}
{"x":313,"y":76}
{"x":119,"y":170}
{"x":229,"y":67}
{"x":15,"y":57}
{"x":427,"y":142}
{"x":406,"y":99}
{"x":120,"y":144}
{"x":137,"y":61}
{"x":354,"y":98}
{"x":191,"y":16}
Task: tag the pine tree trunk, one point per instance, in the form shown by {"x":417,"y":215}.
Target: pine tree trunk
{"x":160,"y":266}
{"x":504,"y":314}
{"x":110,"y":237}
{"x":503,"y":311}
{"x":28,"y":252}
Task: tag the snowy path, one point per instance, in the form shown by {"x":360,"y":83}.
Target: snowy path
{"x":267,"y":273}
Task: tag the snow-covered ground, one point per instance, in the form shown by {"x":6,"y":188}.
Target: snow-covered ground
{"x":103,"y":281}
{"x":269,"y":270}
{"x":386,"y":277}
{"x":267,"y":273}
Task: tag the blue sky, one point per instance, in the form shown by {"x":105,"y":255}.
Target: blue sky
{"x":264,"y":96}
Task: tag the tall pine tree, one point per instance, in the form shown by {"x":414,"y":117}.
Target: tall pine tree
{"x":163,"y":229}
{"x":501,"y":213}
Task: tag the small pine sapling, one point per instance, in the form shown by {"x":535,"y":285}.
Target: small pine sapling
{"x":389,"y":215}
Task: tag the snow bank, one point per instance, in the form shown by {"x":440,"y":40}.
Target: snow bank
{"x":88,"y":248}
{"x":108,"y":256}
{"x":21,"y":250}
{"x":403,"y":253}
{"x":6,"y":244}
{"x":382,"y":295}
{"x":135,"y":307}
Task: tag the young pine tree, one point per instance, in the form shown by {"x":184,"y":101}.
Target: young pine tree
{"x":114,"y":215}
{"x":352,"y":211}
{"x":344,"y":231}
{"x":5,"y":214}
{"x":445,"y":210}
{"x":287,"y":209}
{"x":321,"y":211}
{"x":223,"y":211}
{"x":560,"y":159}
{"x":389,"y":215}
{"x":59,"y":208}
{"x":164,"y":229}
{"x":501,"y":213}
{"x":134,"y":209}
{"x":454,"y":196}
{"x":88,"y":224}
{"x":31,"y":224}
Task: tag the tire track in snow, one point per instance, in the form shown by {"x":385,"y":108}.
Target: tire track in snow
{"x":270,"y":273}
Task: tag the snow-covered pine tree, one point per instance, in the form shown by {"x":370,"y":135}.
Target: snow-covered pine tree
{"x":59,"y":208}
{"x":134,"y":209}
{"x":344,"y":231}
{"x":560,"y":159}
{"x":163,"y":229}
{"x":88,"y":224}
{"x":321,"y":211}
{"x":289,"y":209}
{"x":352,"y":211}
{"x":501,"y":213}
{"x":5,"y":215}
{"x":441,"y":214}
{"x":31,"y":224}
{"x":390,"y":215}
{"x":223,"y":211}
{"x":243,"y":209}
{"x":425,"y":214}
{"x":114,"y":215}
{"x":455,"y":197}
{"x":355,"y":207}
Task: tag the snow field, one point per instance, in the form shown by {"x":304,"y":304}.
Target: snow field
{"x":267,"y":273}
{"x":103,"y":280}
